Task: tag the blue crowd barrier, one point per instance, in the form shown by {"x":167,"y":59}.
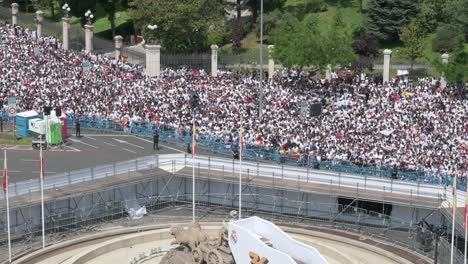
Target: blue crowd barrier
{"x":255,"y":153}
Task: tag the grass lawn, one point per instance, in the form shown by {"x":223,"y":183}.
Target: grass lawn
{"x":8,"y":139}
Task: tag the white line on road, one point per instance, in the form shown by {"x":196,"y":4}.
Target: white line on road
{"x":74,"y":149}
{"x":128,"y":143}
{"x":91,"y":138}
{"x":112,"y":145}
{"x":129,"y":150}
{"x":51,"y":172}
{"x":166,"y":146}
{"x":30,"y":160}
{"x":84,"y":143}
{"x":14,"y":171}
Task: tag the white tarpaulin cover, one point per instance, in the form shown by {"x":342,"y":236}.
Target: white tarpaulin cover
{"x":402,"y":72}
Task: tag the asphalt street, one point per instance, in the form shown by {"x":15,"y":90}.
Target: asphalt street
{"x":79,"y":153}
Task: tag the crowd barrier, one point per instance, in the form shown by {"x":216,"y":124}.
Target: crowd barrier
{"x":256,"y":153}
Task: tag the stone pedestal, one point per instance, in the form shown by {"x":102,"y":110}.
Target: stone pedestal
{"x":65,"y":30}
{"x":445,"y":60}
{"x":118,"y":46}
{"x":214,"y":60}
{"x":14,"y":14}
{"x":39,"y":19}
{"x":89,"y":33}
{"x":386,"y":66}
{"x":153,"y":60}
{"x":271,"y":62}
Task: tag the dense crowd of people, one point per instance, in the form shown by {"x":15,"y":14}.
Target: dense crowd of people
{"x":413,"y":126}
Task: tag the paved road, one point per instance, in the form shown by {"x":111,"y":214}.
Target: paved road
{"x":79,"y":153}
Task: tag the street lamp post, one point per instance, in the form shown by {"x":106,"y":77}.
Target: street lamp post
{"x":66,"y":26}
{"x":152,"y":34}
{"x":89,"y":31}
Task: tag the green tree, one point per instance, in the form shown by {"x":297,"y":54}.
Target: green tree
{"x":110,"y":6}
{"x":297,"y":43}
{"x":385,"y":18}
{"x":456,"y":71}
{"x":456,"y":15}
{"x":301,"y":43}
{"x":413,"y":39}
{"x":183,"y":25}
{"x":431,"y":13}
{"x":447,"y":39}
{"x":79,"y":8}
{"x":337,"y":48}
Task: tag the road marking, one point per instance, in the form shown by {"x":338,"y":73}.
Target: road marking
{"x":166,"y":146}
{"x":129,"y":150}
{"x":52,"y":172}
{"x":112,"y":145}
{"x":91,"y":138}
{"x":14,"y":171}
{"x":30,"y":160}
{"x":74,"y":149}
{"x":128,"y":143}
{"x":84,"y":143}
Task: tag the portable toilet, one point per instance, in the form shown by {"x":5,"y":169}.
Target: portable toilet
{"x":63,"y":119}
{"x":22,"y":122}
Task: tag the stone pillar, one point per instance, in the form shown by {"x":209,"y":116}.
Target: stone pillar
{"x":271,"y":62}
{"x":445,"y":60}
{"x":153,"y":60}
{"x":65,"y":30}
{"x":118,"y":46}
{"x":328,"y":72}
{"x":214,"y":60}
{"x":89,"y":32}
{"x":14,"y":14}
{"x":39,"y":19}
{"x":386,"y":65}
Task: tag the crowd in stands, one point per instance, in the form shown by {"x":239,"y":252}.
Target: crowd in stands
{"x":412,"y":126}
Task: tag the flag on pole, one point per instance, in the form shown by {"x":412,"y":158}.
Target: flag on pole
{"x":5,"y":174}
{"x":194,"y":138}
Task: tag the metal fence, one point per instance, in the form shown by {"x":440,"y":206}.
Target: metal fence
{"x":258,"y":153}
{"x":65,"y":224}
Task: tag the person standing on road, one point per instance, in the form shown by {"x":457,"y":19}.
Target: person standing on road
{"x":77,"y":128}
{"x":155,"y":139}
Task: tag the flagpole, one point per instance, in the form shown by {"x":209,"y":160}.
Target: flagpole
{"x":454,"y":205}
{"x":8,"y":206}
{"x":465,"y":223}
{"x":193,"y":167}
{"x":41,"y":162}
{"x":240,"y":169}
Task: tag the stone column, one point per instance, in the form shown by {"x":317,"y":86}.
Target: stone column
{"x":153,"y":60}
{"x":118,"y":46}
{"x":89,"y":32}
{"x":14,"y":14}
{"x":39,"y":19}
{"x":328,"y":72}
{"x":271,"y":62}
{"x":65,"y":30}
{"x":214,"y":60}
{"x":445,"y":60}
{"x":386,"y":65}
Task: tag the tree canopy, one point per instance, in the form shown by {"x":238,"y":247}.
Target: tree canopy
{"x":385,"y":18}
{"x":183,"y":25}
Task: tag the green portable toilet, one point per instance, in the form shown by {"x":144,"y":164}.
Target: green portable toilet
{"x":55,"y":133}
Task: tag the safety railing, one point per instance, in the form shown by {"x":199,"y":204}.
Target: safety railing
{"x":259,"y":153}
